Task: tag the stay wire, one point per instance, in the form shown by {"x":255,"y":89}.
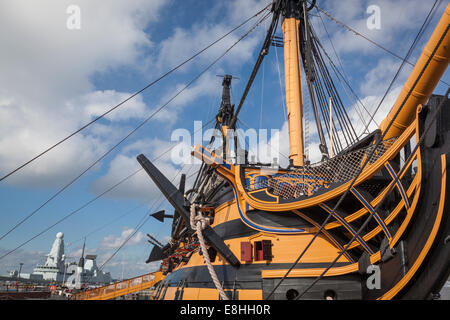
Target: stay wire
{"x":143,"y":221}
{"x":344,"y":76}
{"x":136,"y":128}
{"x":91,"y":201}
{"x":365,"y":37}
{"x":408,"y":54}
{"x":133,"y":95}
{"x":366,"y":222}
{"x":362,"y":167}
{"x":69,"y":215}
{"x":140,"y":224}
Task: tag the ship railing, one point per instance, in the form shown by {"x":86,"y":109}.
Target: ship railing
{"x":120,"y":288}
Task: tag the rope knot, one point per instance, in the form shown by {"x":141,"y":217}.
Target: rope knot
{"x":197,"y":220}
{"x":199,"y":223}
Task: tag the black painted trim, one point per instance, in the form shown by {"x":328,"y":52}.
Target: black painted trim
{"x":247,"y":276}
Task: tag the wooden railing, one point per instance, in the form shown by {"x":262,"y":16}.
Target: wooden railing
{"x":120,"y":288}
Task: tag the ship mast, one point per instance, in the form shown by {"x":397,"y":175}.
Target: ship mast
{"x":81,"y":261}
{"x":302,"y":46}
{"x":293,"y":79}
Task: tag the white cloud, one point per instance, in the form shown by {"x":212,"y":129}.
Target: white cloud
{"x":397,"y":17}
{"x":113,"y":242}
{"x":140,"y":186}
{"x":376,"y":81}
{"x":29,"y":258}
{"x":185,"y":42}
{"x":372,"y":102}
{"x":98,"y":102}
{"x":46,"y":89}
{"x":45,"y":59}
{"x":207,"y":85}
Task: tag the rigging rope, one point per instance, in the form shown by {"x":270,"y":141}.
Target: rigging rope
{"x":135,"y":94}
{"x":366,"y":222}
{"x":341,"y":198}
{"x":93,"y":200}
{"x":345,"y":77}
{"x":408,"y":54}
{"x":144,"y":219}
{"x":319,"y":80}
{"x":365,"y":37}
{"x":136,"y":128}
{"x":198,"y":223}
{"x":281,"y":86}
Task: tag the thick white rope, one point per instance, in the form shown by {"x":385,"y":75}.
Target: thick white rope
{"x":198,"y":223}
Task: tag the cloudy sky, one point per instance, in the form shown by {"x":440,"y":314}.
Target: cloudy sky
{"x":56,"y":76}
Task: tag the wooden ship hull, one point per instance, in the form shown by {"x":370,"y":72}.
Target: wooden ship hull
{"x":325,"y":231}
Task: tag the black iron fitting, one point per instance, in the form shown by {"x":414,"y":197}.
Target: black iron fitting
{"x":292,"y":9}
{"x":225,"y":113}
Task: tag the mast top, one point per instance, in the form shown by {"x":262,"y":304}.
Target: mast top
{"x":226,"y":110}
{"x":81,"y":261}
{"x":294,"y":8}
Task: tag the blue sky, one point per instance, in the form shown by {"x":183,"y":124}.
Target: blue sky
{"x":53,"y":80}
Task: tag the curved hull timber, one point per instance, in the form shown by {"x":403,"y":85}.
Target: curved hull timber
{"x":408,"y":237}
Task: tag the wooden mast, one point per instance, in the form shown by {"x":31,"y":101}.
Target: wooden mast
{"x":293,"y":79}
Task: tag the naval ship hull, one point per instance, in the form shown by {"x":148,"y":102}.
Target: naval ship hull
{"x":413,"y":265}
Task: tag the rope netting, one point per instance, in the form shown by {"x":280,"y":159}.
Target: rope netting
{"x":309,"y":179}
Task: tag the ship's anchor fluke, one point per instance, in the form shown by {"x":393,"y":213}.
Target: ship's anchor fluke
{"x":156,"y":254}
{"x":160,"y":215}
{"x":176,"y":199}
